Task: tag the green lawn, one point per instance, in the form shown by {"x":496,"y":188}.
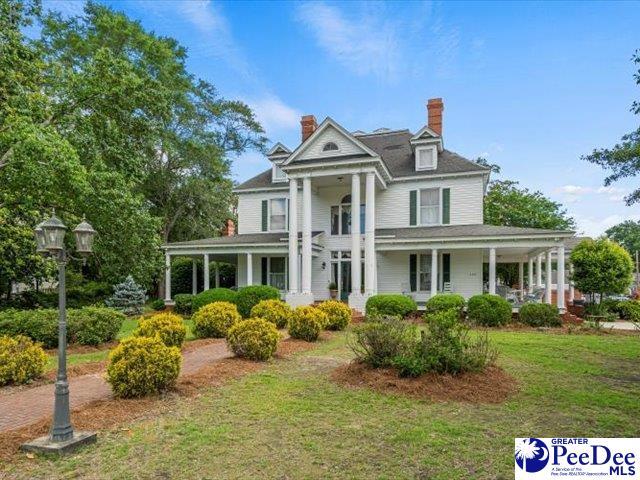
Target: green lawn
{"x":291,"y":421}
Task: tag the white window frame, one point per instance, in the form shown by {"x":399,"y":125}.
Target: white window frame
{"x":434,"y":155}
{"x":419,"y":208}
{"x":418,"y":271}
{"x":363,"y":209}
{"x":286,"y":271}
{"x":274,"y":176}
{"x":286,"y":215}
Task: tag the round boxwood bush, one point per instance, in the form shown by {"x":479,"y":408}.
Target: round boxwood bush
{"x":390,"y":304}
{"x":274,"y":311}
{"x":307,"y":322}
{"x":255,"y":339}
{"x":215,"y":319}
{"x":94,"y":325}
{"x":248,"y":297}
{"x":39,"y":325}
{"x":338,"y":314}
{"x":168,"y":326}
{"x":629,"y":310}
{"x":21,"y":360}
{"x":489,"y":310}
{"x":158,"y":304}
{"x":212,"y":295}
{"x":540,"y":315}
{"x":445,"y":301}
{"x":183,"y":303}
{"x":142,"y":366}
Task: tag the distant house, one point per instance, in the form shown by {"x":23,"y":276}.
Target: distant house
{"x":389,"y":211}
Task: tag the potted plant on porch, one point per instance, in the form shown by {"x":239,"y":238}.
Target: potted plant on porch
{"x":333,"y":290}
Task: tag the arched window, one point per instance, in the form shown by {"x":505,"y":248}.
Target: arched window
{"x":341,"y":217}
{"x":329,"y":146}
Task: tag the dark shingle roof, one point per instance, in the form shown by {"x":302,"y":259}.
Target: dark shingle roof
{"x":449,"y":231}
{"x":241,"y":239}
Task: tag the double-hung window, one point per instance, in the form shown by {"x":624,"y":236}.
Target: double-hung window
{"x":342,"y":216}
{"x":278,"y":214}
{"x":430,"y":206}
{"x":278,"y":273}
{"x":424,"y":273}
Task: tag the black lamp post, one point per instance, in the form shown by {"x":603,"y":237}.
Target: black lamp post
{"x":50,"y":240}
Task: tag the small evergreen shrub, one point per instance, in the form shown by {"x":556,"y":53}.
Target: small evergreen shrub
{"x":255,"y":339}
{"x":339,"y":314}
{"x":167,"y":326}
{"x":629,"y":310}
{"x":378,"y":342}
{"x":540,"y":315}
{"x":183,"y":303}
{"x":21,"y":360}
{"x":390,"y":304}
{"x":158,"y":304}
{"x":215,"y":319}
{"x":489,"y":310}
{"x":142,"y":366}
{"x":274,"y":311}
{"x":307,"y":322}
{"x":39,"y":325}
{"x":445,"y":301}
{"x":94,"y":325}
{"x":248,"y":297}
{"x":212,"y":295}
{"x":128,"y":296}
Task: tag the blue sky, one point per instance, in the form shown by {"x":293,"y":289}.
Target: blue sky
{"x":530,"y":86}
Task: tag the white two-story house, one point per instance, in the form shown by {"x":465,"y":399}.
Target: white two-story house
{"x":380,"y":212}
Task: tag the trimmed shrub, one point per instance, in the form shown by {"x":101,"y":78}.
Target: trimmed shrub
{"x":540,"y":315}
{"x":255,"y":339}
{"x":94,"y":325}
{"x":167,"y":326}
{"x":489,"y":310}
{"x":141,"y":366}
{"x":215,"y":319}
{"x":248,"y":297}
{"x":307,"y":322}
{"x":212,"y":295}
{"x":274,"y":311}
{"x":390,"y":304}
{"x":445,"y":301}
{"x":339,"y":314}
{"x":629,"y":310}
{"x":183,"y":303}
{"x":378,"y":342}
{"x":158,"y":304}
{"x":21,"y":360}
{"x":39,"y":325}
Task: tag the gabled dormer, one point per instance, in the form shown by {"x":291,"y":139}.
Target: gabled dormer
{"x":427,"y":143}
{"x":277,"y":155}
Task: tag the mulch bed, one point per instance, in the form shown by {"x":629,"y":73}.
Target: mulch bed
{"x":115,"y":414}
{"x":492,"y":386}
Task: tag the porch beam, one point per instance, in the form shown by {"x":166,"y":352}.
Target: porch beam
{"x":539,"y":270}
{"x":369,"y":232}
{"x":434,"y":272}
{"x":355,"y":234}
{"x":560,"y":281}
{"x":547,"y":292}
{"x":167,"y":277}
{"x":194,"y":277}
{"x":530,"y":274}
{"x":293,"y":235}
{"x":492,"y":271}
{"x":249,"y":269}
{"x":521,"y":278}
{"x":306,"y":235}
{"x":205,"y":271}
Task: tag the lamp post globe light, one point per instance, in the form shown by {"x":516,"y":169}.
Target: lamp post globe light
{"x":50,"y":240}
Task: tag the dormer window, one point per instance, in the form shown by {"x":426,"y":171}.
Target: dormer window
{"x":330,"y":147}
{"x":278,"y":174}
{"x":426,"y":158}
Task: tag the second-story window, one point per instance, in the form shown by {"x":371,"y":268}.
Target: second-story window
{"x":341,"y":217}
{"x":430,"y":206}
{"x":278,"y":174}
{"x":278,"y":214}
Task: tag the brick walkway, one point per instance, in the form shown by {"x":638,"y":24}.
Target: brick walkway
{"x":33,"y":404}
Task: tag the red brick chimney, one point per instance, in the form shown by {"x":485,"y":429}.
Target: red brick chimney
{"x":229,"y":229}
{"x":435,"y":106}
{"x":309,"y":126}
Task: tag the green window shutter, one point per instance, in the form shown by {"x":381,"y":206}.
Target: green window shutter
{"x":264,"y":272}
{"x":446,"y":267}
{"x":265,"y":215}
{"x":446,"y":206}
{"x":413,"y":205}
{"x":413,"y":270}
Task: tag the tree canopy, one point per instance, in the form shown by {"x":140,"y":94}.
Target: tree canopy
{"x":626,"y":234}
{"x":623,"y":159}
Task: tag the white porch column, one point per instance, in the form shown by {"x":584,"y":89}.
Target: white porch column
{"x":572,"y":289}
{"x":167,"y":277}
{"x":530,"y":285}
{"x":547,"y":292}
{"x":206,"y":271}
{"x":539,"y":270}
{"x":217,"y":275}
{"x":492,"y":271}
{"x":249,"y":269}
{"x":521,"y":278}
{"x":293,"y":236}
{"x":355,"y":235}
{"x":434,"y":272}
{"x":369,"y":236}
{"x":306,"y":235}
{"x":194,"y":277}
{"x":560,"y":281}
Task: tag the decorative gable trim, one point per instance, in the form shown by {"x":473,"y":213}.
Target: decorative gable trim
{"x":278,"y":149}
{"x":427,"y":136}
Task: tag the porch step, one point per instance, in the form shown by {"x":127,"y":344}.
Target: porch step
{"x":570,"y":318}
{"x":356,"y":316}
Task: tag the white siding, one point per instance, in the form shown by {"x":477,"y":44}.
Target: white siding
{"x":250,"y":209}
{"x":466,"y":272}
{"x":345,"y":145}
{"x":393,"y":272}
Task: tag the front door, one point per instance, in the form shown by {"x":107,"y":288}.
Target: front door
{"x":345,"y":280}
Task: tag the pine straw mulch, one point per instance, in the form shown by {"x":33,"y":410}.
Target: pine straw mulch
{"x":117,"y":413}
{"x":491,"y":386}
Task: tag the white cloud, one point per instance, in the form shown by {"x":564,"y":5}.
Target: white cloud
{"x":594,"y":227}
{"x":275,"y":115}
{"x":366,"y":44}
{"x":573,"y":192}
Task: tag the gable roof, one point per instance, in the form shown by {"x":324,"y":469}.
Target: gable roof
{"x":278,"y":149}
